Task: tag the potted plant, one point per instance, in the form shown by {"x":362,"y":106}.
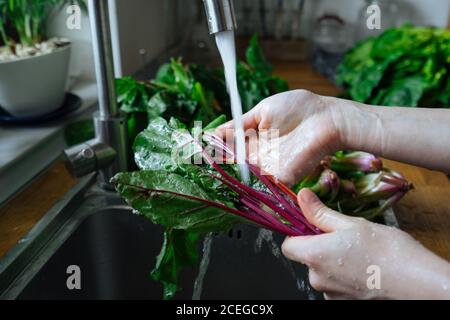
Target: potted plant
{"x":33,"y":68}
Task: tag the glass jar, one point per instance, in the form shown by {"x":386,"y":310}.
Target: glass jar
{"x":331,"y":39}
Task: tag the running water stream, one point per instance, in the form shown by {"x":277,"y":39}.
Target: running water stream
{"x":204,"y":264}
{"x":227,"y":48}
{"x":266,"y":236}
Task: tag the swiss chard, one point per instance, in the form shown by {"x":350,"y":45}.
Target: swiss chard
{"x":174,"y":191}
{"x":181,"y":186}
{"x":179,"y":251}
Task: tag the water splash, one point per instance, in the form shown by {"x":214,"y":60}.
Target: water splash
{"x":266,"y":236}
{"x":198,"y":285}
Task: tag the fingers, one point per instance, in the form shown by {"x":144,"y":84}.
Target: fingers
{"x":250,"y":120}
{"x":320,"y":281}
{"x":336,"y":296}
{"x":304,"y":249}
{"x":320,"y":215}
{"x":309,"y":251}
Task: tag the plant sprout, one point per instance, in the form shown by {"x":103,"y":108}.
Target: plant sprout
{"x":25,"y":21}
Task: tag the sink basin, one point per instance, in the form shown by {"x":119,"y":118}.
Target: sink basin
{"x":116,"y":250}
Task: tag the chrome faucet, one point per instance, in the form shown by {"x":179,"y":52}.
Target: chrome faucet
{"x":108,"y":151}
{"x":220,"y":15}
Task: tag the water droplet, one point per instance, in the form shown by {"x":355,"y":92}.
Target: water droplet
{"x":349,"y":245}
{"x":340,"y":262}
{"x":444,"y":287}
{"x":320,"y":257}
{"x":373,"y":235}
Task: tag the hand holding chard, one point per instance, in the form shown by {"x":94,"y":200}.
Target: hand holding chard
{"x":191,"y":198}
{"x":191,"y":205}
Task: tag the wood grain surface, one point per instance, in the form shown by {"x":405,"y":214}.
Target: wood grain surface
{"x":19,"y":215}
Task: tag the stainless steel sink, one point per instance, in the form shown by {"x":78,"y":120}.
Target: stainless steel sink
{"x":116,"y":249}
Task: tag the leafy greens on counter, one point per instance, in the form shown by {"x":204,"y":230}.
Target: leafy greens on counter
{"x":407,"y":67}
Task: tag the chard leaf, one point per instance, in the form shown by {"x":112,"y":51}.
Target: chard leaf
{"x":156,"y":106}
{"x":165,"y":146}
{"x":153,"y":147}
{"x":256,"y":59}
{"x":403,"y":93}
{"x":133,"y":96}
{"x":164,"y":74}
{"x":157,"y":196}
{"x":179,"y":251}
{"x":205,"y":100}
{"x":368,"y":79}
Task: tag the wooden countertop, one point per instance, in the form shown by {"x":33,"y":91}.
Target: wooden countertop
{"x":424,"y":212}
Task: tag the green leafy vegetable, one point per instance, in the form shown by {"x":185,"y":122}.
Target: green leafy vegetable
{"x":407,"y":66}
{"x":141,"y":189}
{"x":180,"y":186}
{"x":175,"y":191}
{"x":256,"y":59}
{"x":179,"y":251}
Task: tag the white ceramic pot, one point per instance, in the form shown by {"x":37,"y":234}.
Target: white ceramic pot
{"x":35,"y":85}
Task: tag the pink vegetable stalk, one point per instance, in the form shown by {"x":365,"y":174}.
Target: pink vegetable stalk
{"x":278,"y":209}
{"x":355,"y":161}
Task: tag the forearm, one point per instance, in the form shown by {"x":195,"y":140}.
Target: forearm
{"x":417,"y":136}
{"x":426,"y":276}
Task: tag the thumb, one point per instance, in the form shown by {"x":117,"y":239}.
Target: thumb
{"x":250,"y":120}
{"x":320,"y":215}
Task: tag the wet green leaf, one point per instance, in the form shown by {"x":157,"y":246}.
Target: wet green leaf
{"x":179,"y":251}
{"x":165,"y":207}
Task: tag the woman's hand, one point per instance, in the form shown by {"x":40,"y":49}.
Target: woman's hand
{"x":308,"y":130}
{"x":357,"y":259}
{"x":312,"y":126}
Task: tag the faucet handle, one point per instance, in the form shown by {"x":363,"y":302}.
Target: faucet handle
{"x":88,"y":157}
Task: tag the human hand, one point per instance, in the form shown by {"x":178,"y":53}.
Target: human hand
{"x":309,"y":129}
{"x":341,"y":261}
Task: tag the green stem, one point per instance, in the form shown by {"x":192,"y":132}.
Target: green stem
{"x":36,"y":32}
{"x":28,"y":30}
{"x":3,"y":35}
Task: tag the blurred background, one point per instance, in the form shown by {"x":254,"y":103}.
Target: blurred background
{"x":145,"y":30}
